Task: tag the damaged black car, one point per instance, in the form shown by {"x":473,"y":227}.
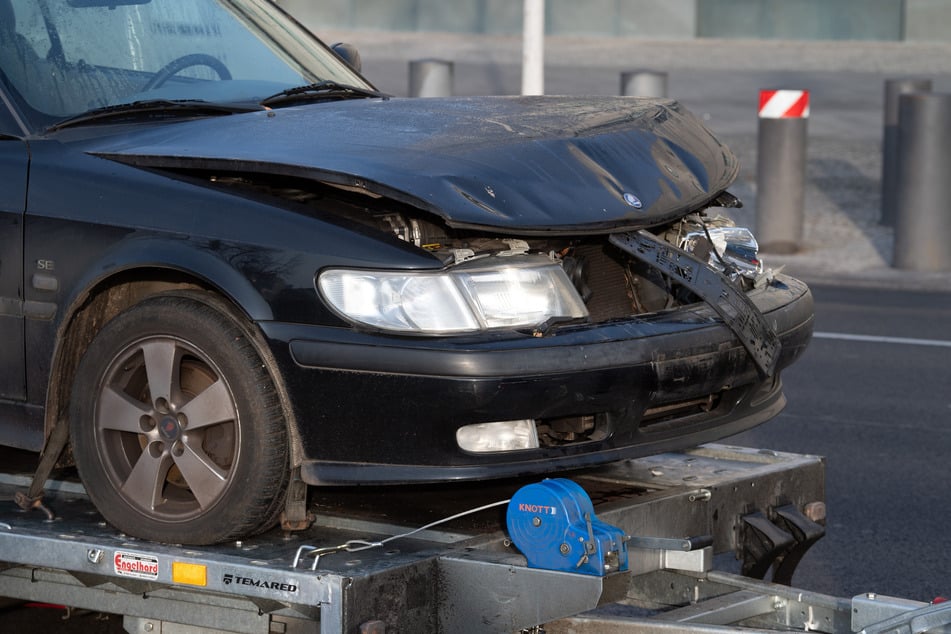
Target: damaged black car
{"x":231,"y":268}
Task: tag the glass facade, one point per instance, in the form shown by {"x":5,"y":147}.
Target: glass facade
{"x":801,"y":19}
{"x":884,"y":20}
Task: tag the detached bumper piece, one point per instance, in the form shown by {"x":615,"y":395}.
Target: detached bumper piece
{"x":736,"y":309}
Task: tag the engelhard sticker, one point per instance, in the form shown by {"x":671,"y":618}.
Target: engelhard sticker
{"x":137,"y":565}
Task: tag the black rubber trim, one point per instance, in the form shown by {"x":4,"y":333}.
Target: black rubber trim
{"x":474,"y":364}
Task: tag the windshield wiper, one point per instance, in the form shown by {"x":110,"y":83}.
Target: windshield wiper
{"x":151,"y":107}
{"x":327,"y":89}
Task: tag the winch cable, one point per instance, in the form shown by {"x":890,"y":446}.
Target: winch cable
{"x":357,"y":545}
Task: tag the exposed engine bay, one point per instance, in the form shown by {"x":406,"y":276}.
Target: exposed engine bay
{"x":611,"y":284}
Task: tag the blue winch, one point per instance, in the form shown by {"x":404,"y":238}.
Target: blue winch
{"x":552,"y":522}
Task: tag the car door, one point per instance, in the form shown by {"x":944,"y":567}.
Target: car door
{"x":14,"y":161}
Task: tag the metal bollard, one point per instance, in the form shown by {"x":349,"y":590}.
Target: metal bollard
{"x":643,"y":83}
{"x":533,"y":47}
{"x":923,"y":218}
{"x":781,"y":169}
{"x":894,"y":88}
{"x":430,"y":78}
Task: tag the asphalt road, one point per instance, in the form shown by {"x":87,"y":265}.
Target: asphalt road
{"x":873,"y":395}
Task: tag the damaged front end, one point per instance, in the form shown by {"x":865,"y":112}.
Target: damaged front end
{"x":560,"y":351}
{"x":610,"y":280}
{"x":515,"y":286}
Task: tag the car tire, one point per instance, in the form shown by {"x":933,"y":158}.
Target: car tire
{"x":177,"y":429}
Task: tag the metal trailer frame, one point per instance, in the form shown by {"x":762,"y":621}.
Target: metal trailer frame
{"x":721,"y":602}
{"x":683,"y":510}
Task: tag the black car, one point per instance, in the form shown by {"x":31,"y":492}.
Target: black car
{"x":230,"y":268}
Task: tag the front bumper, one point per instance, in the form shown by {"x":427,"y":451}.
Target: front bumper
{"x":373,"y":408}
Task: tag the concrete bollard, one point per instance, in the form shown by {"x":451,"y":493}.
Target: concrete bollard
{"x":430,"y":78}
{"x":894,"y":88}
{"x":643,"y":83}
{"x":923,"y":218}
{"x":781,"y":169}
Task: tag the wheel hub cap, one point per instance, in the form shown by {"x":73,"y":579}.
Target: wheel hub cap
{"x":169,"y":428}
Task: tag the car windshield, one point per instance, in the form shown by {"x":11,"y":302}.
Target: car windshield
{"x":62,"y":58}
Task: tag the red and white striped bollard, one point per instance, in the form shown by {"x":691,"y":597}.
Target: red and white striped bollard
{"x":781,"y":169}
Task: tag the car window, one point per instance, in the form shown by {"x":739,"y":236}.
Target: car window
{"x":8,"y":123}
{"x":29,"y":29}
{"x":65,"y":57}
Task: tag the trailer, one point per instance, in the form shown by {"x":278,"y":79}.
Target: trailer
{"x":678,"y":542}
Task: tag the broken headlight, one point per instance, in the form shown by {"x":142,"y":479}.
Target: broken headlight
{"x":729,"y":249}
{"x":491,"y":292}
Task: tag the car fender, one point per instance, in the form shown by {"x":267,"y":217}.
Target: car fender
{"x":172,"y":253}
{"x":175,"y":254}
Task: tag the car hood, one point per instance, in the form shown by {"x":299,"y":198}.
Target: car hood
{"x":529,"y":164}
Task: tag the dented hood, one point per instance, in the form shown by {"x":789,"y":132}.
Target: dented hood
{"x":529,"y":164}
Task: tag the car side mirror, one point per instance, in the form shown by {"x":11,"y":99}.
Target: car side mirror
{"x":349,"y":54}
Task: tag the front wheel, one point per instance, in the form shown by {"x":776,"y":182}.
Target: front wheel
{"x":176,"y":426}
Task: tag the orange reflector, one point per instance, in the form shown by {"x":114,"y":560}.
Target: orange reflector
{"x":191,"y":574}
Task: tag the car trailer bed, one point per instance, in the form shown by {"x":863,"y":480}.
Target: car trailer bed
{"x":684,"y":516}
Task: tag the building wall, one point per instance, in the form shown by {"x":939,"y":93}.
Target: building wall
{"x":928,"y":20}
{"x":647,"y":18}
{"x":801,"y":19}
{"x":921,"y":20}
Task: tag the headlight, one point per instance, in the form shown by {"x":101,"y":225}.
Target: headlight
{"x":736,"y":246}
{"x":507,"y":293}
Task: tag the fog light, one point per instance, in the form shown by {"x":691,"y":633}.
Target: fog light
{"x":509,"y":435}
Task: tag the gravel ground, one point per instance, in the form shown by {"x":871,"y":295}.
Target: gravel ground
{"x":843,"y":241}
{"x":841,"y":230}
